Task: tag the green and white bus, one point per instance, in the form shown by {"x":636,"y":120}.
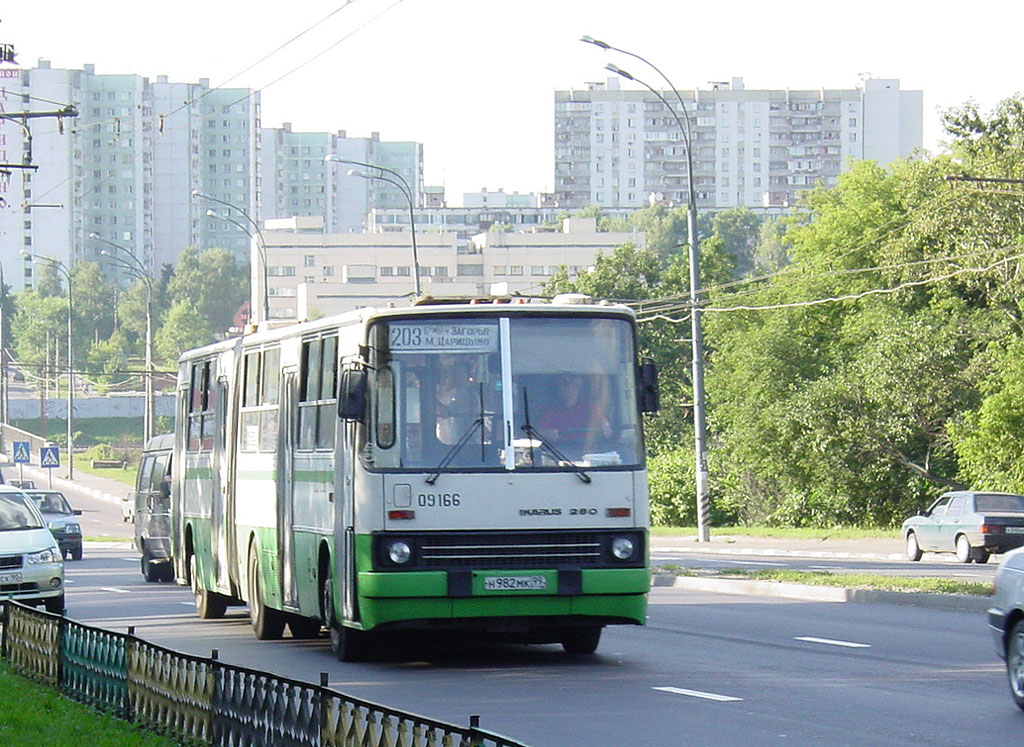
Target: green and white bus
{"x":446,"y":466}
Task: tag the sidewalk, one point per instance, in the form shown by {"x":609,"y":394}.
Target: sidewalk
{"x":104,"y":488}
{"x":867,"y":549}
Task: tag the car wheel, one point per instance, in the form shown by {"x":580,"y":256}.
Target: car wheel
{"x":76,"y":554}
{"x":55,"y":605}
{"x":267,"y":624}
{"x":209,"y":604}
{"x":1015,"y":663}
{"x":913,"y":549}
{"x":963,"y":549}
{"x":580,"y":641}
{"x":149,"y":571}
{"x":981,"y":555}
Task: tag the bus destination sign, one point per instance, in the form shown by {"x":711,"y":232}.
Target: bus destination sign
{"x":452,"y":337}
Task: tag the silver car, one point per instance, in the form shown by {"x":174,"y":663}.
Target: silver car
{"x":31,"y":567}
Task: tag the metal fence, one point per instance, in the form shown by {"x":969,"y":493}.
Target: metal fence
{"x":197,"y":700}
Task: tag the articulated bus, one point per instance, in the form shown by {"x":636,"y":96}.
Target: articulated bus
{"x":447,"y":466}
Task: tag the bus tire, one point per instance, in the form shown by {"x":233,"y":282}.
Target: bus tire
{"x":267,"y":624}
{"x":303,"y":627}
{"x":348,"y":644}
{"x":582,"y":640}
{"x":209,"y":605}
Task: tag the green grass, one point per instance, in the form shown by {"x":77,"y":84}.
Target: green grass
{"x":868,"y":581}
{"x":31,"y":715}
{"x":782,"y":532}
{"x":93,"y":430}
{"x":126,"y":476}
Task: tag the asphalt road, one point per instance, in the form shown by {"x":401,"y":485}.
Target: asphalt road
{"x":707,"y":669}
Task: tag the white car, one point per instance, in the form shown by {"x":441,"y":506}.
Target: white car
{"x":31,"y":565}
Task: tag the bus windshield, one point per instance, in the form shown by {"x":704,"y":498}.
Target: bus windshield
{"x":523,"y":393}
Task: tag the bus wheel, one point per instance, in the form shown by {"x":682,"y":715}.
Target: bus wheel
{"x":267,"y":624}
{"x":348,"y":644}
{"x":303,"y":627}
{"x":583,"y":640}
{"x":209,"y":605}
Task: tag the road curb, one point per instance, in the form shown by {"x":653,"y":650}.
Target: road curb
{"x":807,"y":592}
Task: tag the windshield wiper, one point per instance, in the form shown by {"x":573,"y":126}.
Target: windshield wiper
{"x":454,"y":450}
{"x":545,"y":443}
{"x":457,"y":446}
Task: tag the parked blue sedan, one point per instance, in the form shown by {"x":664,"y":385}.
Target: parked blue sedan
{"x":972,"y":524}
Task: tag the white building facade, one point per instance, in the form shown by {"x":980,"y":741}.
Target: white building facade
{"x":312,"y":274}
{"x":124,"y":168}
{"x":751,"y":148}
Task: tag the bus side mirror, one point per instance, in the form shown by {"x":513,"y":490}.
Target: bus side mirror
{"x":352,"y":394}
{"x":649,"y":395}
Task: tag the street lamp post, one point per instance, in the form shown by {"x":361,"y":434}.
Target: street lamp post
{"x":135,"y":267}
{"x":261,"y":246}
{"x":63,"y":270}
{"x":699,"y":400}
{"x":403,"y":186}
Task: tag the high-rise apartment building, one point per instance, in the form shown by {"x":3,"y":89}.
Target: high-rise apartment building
{"x":298,"y":182}
{"x":751,"y":148}
{"x":124,"y":168}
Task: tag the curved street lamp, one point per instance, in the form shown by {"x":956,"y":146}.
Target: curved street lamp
{"x":699,"y":398}
{"x":403,"y":186}
{"x":261,"y":246}
{"x":61,"y":268}
{"x":135,"y":268}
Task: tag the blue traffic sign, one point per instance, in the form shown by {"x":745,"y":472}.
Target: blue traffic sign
{"x":49,"y":457}
{"x":22,"y":452}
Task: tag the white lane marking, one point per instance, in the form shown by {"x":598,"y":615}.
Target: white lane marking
{"x":831,"y":642}
{"x":826,"y":567}
{"x":752,"y":562}
{"x":115,"y":591}
{"x":697,"y":694}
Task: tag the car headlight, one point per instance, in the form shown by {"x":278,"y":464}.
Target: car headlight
{"x":49,"y":555}
{"x":623,"y":548}
{"x":72,"y":529}
{"x":399,"y":552}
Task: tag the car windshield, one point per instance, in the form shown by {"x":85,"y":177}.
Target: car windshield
{"x":995,"y":503}
{"x":15,"y":513}
{"x":51,"y":503}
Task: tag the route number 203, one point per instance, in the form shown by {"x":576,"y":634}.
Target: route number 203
{"x":439,"y":500}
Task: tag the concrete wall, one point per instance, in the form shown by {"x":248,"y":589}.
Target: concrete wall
{"x":126,"y":406}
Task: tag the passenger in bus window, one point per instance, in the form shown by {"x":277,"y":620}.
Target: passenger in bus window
{"x":455,"y":402}
{"x":573,"y":418}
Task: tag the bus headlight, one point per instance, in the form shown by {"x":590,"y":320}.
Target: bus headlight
{"x":399,"y":552}
{"x":623,"y":548}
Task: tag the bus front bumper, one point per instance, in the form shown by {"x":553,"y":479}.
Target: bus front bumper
{"x":606,"y":595}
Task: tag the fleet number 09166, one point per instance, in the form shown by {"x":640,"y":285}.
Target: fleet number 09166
{"x":439,"y":500}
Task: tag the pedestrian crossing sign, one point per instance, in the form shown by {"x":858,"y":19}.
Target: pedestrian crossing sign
{"x":22,"y":452}
{"x":49,"y":457}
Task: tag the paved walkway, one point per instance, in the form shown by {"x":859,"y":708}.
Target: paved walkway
{"x":103,"y":488}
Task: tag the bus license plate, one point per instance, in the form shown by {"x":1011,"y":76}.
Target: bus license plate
{"x":515,"y":583}
{"x":10,"y":578}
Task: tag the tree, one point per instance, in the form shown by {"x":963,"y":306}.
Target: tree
{"x":212,"y":283}
{"x":184,"y":328}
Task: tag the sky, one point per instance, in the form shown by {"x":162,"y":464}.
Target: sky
{"x":474,"y":80}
